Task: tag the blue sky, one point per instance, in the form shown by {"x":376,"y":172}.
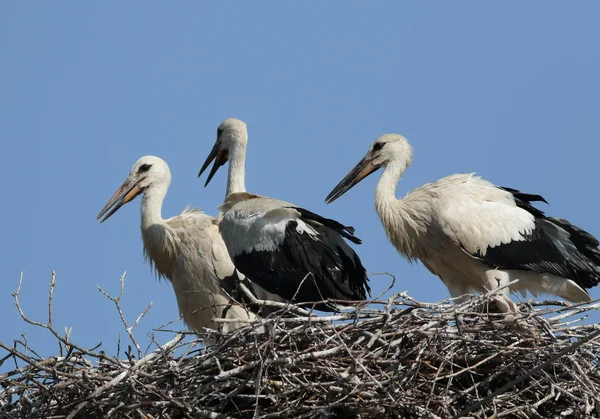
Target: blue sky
{"x":507,"y":89}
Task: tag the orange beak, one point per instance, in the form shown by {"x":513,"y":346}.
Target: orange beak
{"x":363,"y":169}
{"x":126,"y":193}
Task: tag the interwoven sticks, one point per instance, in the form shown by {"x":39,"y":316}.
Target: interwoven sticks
{"x":394,"y":358}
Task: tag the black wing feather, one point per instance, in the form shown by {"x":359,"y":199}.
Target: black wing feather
{"x":554,"y":246}
{"x":524,"y":200}
{"x":336,"y":271}
{"x":344,"y":231}
{"x":231,"y":285}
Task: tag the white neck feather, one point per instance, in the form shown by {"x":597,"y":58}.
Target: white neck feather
{"x":159,"y":244}
{"x":236,"y":179}
{"x":152,"y":201}
{"x":402,"y":219}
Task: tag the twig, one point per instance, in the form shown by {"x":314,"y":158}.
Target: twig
{"x":528,"y":374}
{"x":392,"y":357}
{"x":117,"y":301}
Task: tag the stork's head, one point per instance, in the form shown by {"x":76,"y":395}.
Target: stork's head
{"x":232,"y":133}
{"x":147,"y":173}
{"x":388,"y":150}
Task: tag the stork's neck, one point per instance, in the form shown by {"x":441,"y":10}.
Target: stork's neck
{"x":152,"y":201}
{"x":403,"y":219}
{"x":159,"y":245}
{"x":237,"y":170}
{"x":386,"y":187}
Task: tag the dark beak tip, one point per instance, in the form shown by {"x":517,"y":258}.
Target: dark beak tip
{"x":202,"y":169}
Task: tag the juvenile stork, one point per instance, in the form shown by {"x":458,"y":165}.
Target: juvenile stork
{"x":289,"y":251}
{"x":186,"y":249}
{"x":477,"y":236}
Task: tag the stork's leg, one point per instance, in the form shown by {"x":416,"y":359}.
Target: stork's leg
{"x":496,"y":279}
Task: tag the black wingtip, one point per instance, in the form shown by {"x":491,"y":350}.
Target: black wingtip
{"x":584,"y":241}
{"x":350,"y":236}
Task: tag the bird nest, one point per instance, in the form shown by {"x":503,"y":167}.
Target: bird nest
{"x":393,"y":358}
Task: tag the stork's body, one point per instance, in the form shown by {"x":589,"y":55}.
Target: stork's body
{"x":291,"y":253}
{"x":186,"y":249}
{"x":477,"y":236}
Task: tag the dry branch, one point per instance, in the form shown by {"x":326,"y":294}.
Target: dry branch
{"x":394,"y":358}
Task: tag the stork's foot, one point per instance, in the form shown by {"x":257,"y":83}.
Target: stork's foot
{"x":506,"y":305}
{"x":513,"y":316}
{"x":523,"y":326}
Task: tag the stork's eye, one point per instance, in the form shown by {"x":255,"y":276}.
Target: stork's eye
{"x":378,"y":146}
{"x":144,"y":168}
{"x":219,"y":132}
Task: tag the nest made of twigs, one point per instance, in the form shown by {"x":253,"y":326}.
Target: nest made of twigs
{"x":393,"y":358}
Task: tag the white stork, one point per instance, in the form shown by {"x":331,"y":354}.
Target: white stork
{"x":477,"y":236}
{"x":186,"y":249}
{"x":288,"y":251}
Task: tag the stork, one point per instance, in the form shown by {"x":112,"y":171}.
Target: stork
{"x":289,"y":251}
{"x":186,"y":249}
{"x":477,"y":236}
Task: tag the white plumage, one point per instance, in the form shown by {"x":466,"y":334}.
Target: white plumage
{"x":290,"y":252}
{"x":186,"y":249}
{"x":474,"y":235}
{"x":259,"y":223}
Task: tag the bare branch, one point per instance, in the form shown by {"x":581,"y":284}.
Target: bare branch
{"x":117,"y":301}
{"x":393,"y":357}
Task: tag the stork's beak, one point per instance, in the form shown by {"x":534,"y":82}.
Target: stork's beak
{"x":126,"y":193}
{"x":219,"y":156}
{"x":363,"y":169}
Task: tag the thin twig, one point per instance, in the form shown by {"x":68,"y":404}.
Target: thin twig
{"x":392,"y":357}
